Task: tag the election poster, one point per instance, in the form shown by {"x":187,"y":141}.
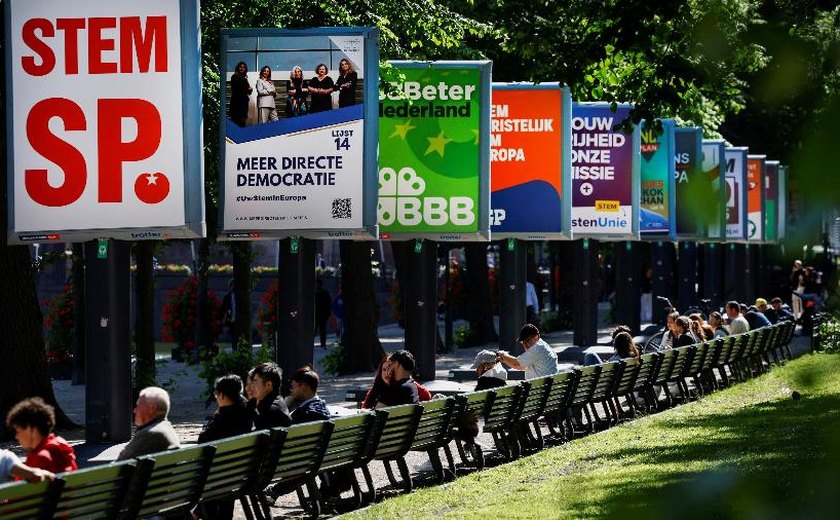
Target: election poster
{"x":755,"y":197}
{"x":657,"y":213}
{"x":736,"y":193}
{"x":299,"y":133}
{"x":771,"y":201}
{"x":782,"y":201}
{"x":530,"y":160}
{"x":606,"y":184}
{"x":104,"y":120}
{"x":713,"y":164}
{"x":692,"y":187}
{"x":434,"y":151}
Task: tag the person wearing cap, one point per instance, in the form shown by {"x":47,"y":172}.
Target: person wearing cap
{"x":538,"y":359}
{"x":755,"y":316}
{"x":491,"y":373}
{"x":777,"y":312}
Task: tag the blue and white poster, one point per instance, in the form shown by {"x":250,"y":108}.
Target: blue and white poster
{"x":299,"y":133}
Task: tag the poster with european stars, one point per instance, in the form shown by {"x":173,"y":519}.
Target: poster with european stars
{"x":434,"y":151}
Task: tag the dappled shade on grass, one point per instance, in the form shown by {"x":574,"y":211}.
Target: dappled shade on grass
{"x":749,"y":451}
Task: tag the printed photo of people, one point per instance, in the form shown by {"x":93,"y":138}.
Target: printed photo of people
{"x":272,"y":77}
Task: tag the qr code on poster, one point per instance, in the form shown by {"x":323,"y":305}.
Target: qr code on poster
{"x":341,"y":208}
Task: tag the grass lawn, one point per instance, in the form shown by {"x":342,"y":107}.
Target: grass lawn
{"x":752,"y":451}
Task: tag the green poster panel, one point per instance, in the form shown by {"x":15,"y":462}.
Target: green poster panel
{"x":434,"y":151}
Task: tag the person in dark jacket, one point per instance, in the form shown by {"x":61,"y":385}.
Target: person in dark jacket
{"x":271,"y":410}
{"x":232,"y":418}
{"x":304,"y":403}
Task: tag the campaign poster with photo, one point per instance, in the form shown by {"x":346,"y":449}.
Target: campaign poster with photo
{"x":606,"y":183}
{"x":299,"y":133}
{"x":736,"y":193}
{"x":713,"y":165}
{"x":530,"y":161}
{"x":771,"y":201}
{"x":434,"y":151}
{"x":755,"y":197}
{"x":692,"y":187}
{"x":657,"y":215}
{"x":104,"y":120}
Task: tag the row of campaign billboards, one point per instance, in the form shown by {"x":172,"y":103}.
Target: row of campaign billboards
{"x":106,"y":147}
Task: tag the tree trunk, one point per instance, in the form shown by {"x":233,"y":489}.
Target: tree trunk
{"x":242,"y":292}
{"x":478,"y":287}
{"x":203,"y":316}
{"x":23,"y":372}
{"x":79,"y":345}
{"x":400,"y":252}
{"x":361,"y":315}
{"x":144,"y":290}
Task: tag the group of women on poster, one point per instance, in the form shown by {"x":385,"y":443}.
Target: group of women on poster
{"x":302,"y":97}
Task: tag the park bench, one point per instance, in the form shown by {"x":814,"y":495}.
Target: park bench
{"x":236,"y":467}
{"x":563,"y":385}
{"x":666,"y":364}
{"x":499,"y":415}
{"x":23,"y":501}
{"x":350,"y":447}
{"x":434,"y":432}
{"x":168,"y":483}
{"x":397,"y":433}
{"x":526,"y":429}
{"x":603,"y":394}
{"x":587,"y":380}
{"x":93,"y":493}
{"x":674,"y":378}
{"x":648,"y":371}
{"x":692,"y":370}
{"x":471,"y":407}
{"x":291,"y":463}
{"x":624,"y":389}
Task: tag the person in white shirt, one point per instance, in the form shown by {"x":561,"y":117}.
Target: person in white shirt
{"x":538,"y":359}
{"x":737,"y":323}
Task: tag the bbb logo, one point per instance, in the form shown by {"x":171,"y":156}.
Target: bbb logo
{"x":401,"y":202}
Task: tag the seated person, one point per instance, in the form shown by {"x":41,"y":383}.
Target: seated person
{"x":154,"y":431}
{"x":623,"y":346}
{"x":668,"y":338}
{"x":32,"y":421}
{"x":777,"y":312}
{"x":271,"y":410}
{"x":755,"y":317}
{"x":401,"y":388}
{"x":491,"y":373}
{"x":304,"y":403}
{"x":716,"y":323}
{"x":12,"y":467}
{"x":682,"y":332}
{"x":383,"y":378}
{"x":233,"y":416}
{"x":538,"y":360}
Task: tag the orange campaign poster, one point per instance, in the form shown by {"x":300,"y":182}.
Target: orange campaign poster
{"x":755,"y":197}
{"x":529,"y":152}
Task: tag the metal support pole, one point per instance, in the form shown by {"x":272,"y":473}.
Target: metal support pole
{"x":420,"y":307}
{"x":512,"y":313}
{"x":628,"y":303}
{"x":296,"y":305}
{"x":585,"y":310}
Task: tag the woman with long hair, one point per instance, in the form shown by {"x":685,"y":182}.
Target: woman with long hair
{"x":346,"y":84}
{"x":297,"y":91}
{"x":240,"y":92}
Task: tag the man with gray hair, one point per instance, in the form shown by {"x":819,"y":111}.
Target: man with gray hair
{"x":154,"y":431}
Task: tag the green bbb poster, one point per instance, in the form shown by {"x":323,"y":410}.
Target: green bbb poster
{"x":434,"y":150}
